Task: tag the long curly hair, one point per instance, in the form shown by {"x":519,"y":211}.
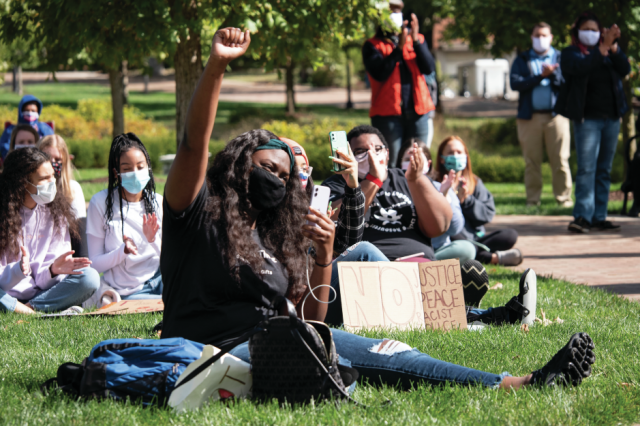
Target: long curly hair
{"x":18,"y":167}
{"x":279,"y":228}
{"x":120,"y":145}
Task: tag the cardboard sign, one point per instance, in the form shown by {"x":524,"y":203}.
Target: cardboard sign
{"x":442,"y":297}
{"x":402,"y":295}
{"x":120,"y":308}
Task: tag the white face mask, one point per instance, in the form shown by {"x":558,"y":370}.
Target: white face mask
{"x":588,"y":37}
{"x":21,"y":145}
{"x":541,"y":44}
{"x":46,"y":192}
{"x":425,"y":168}
{"x":396,"y":18}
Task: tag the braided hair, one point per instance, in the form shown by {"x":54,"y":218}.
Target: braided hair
{"x":121,"y":144}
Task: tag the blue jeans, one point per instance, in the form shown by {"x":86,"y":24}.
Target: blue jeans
{"x":73,"y":290}
{"x":596,"y":142}
{"x":398,"y":128}
{"x":399,"y":365}
{"x":152,"y":289}
{"x":361,"y":252}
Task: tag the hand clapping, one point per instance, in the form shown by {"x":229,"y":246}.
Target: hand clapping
{"x":25,"y":264}
{"x":67,"y":264}
{"x":129,"y":246}
{"x":416,"y":164}
{"x":150,"y":226}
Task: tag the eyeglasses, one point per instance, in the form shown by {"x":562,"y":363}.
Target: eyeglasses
{"x":379,"y":149}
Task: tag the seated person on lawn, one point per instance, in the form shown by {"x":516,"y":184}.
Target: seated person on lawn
{"x":23,"y":136}
{"x":29,"y":110}
{"x":123,"y":227}
{"x":236,"y":237}
{"x":477,"y":205}
{"x":37,"y":270}
{"x":403,"y":211}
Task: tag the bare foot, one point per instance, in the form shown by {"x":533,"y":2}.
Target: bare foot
{"x":515,"y":382}
{"x":24,"y":309}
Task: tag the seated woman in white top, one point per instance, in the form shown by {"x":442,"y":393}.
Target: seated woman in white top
{"x":123,"y":227}
{"x":56,"y":148}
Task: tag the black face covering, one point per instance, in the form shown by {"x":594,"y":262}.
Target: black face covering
{"x":265,"y":190}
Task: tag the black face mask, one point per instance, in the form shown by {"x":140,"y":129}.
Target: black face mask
{"x":265,"y":190}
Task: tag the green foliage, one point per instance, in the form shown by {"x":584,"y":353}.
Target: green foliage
{"x":314,"y":137}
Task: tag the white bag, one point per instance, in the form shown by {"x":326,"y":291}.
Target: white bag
{"x":227,"y":377}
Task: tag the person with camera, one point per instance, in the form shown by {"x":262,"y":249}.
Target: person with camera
{"x":592,"y":96}
{"x":537,"y":76}
{"x":397,"y":59}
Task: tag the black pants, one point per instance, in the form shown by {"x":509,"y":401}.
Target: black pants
{"x":503,"y":239}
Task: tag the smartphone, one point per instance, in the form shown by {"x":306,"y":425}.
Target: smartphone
{"x":320,"y":200}
{"x":338,"y":141}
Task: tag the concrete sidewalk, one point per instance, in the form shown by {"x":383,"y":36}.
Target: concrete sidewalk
{"x":608,"y":260}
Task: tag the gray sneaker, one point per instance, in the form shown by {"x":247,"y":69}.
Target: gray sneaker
{"x":511,"y":257}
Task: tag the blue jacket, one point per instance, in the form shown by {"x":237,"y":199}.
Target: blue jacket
{"x":43,"y":128}
{"x":524,"y":81}
{"x":577,"y":66}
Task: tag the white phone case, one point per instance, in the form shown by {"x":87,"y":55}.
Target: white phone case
{"x":320,"y":199}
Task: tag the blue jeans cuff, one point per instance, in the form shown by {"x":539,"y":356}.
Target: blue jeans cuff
{"x":7,"y":302}
{"x":501,"y":376}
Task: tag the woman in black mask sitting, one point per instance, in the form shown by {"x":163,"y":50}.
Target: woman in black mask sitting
{"x":236,"y":236}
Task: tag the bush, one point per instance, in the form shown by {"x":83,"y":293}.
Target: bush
{"x":91,"y":120}
{"x":314,"y":137}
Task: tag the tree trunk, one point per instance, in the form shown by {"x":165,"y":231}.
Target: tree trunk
{"x":117,"y":100}
{"x":125,"y":82}
{"x":17,"y":80}
{"x":188,"y":67}
{"x":291,"y":95}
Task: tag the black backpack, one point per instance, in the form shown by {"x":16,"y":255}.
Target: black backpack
{"x":291,"y":360}
{"x":632,"y":180}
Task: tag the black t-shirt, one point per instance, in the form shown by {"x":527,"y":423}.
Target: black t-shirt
{"x":600,"y":101}
{"x":202,"y":301}
{"x":391,"y":223}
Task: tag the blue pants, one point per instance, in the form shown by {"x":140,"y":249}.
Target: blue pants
{"x":361,"y":252}
{"x":459,"y":249}
{"x":152,"y":289}
{"x":73,"y":290}
{"x":596,"y":142}
{"x":398,"y":128}
{"x":395,"y":363}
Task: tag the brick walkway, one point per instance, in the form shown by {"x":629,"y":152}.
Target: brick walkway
{"x":608,"y":260}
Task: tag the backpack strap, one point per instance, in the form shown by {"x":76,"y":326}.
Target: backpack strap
{"x":223,"y":351}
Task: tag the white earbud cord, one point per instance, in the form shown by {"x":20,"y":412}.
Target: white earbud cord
{"x":335,"y":294}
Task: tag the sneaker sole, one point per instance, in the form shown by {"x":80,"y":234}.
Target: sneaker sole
{"x":577,"y":230}
{"x":530,"y":298}
{"x":574,"y":362}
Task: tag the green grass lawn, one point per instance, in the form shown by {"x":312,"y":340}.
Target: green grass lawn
{"x":33,"y":349}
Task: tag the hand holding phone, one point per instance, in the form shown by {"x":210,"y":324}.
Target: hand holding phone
{"x":319,"y":200}
{"x":338,"y":142}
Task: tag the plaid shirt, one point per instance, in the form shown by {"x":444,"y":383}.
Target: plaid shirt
{"x":350,"y":224}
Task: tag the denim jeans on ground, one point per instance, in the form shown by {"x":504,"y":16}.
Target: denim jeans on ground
{"x":152,"y":289}
{"x":596,"y":142}
{"x":73,"y":290}
{"x":361,"y":252}
{"x":403,"y":367}
{"x":396,"y":129}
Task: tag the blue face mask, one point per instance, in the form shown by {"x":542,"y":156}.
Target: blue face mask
{"x":456,"y":162}
{"x":135,"y":181}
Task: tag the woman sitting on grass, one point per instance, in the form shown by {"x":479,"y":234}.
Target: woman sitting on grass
{"x":56,"y":148}
{"x":443,"y":246}
{"x":123,"y":227}
{"x":37,"y":270}
{"x":477,"y":205}
{"x":236,"y":237}
{"x":23,"y":136}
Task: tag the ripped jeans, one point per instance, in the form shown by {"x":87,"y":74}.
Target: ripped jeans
{"x":395,"y":363}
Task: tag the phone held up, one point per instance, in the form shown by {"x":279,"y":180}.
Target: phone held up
{"x":338,"y":141}
{"x":320,"y":200}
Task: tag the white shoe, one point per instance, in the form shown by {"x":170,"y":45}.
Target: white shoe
{"x":528,"y":295}
{"x":74,"y":310}
{"x":109,"y":296}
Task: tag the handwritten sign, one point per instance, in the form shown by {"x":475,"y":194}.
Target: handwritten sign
{"x":402,"y":295}
{"x":442,"y":297}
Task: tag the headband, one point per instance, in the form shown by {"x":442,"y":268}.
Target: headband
{"x":278,"y":144}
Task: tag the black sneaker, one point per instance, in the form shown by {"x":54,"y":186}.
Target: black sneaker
{"x":570,"y":365}
{"x":580,"y":226}
{"x":605,"y":225}
{"x":521,"y":308}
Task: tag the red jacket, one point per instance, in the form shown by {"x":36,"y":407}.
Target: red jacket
{"x":386,"y":96}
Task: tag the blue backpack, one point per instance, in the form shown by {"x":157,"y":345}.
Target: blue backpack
{"x":145,"y":370}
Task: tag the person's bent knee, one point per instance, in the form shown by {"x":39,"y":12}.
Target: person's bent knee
{"x":510,"y":236}
{"x":372,"y":253}
{"x":89,"y":281}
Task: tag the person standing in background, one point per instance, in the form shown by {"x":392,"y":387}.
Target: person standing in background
{"x":592,"y":96}
{"x":29,"y":110}
{"x":537,"y":76}
{"x":397,"y":64}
